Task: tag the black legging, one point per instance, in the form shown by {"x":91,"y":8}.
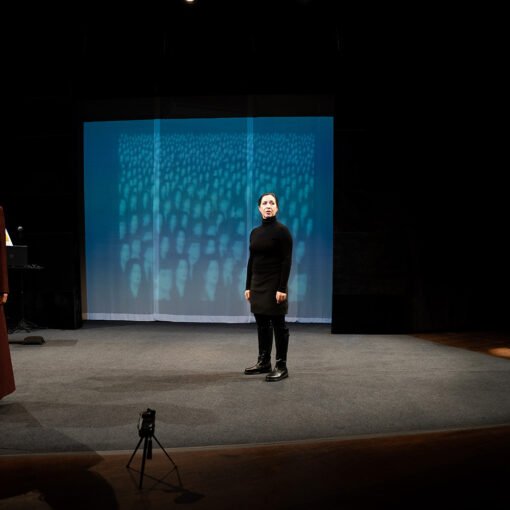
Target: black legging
{"x":266,"y":321}
{"x":281,"y":332}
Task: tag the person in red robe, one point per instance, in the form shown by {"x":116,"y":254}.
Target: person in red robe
{"x":6,"y":374}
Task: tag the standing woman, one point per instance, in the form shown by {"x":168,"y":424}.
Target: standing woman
{"x":266,"y":288}
{"x":6,"y":374}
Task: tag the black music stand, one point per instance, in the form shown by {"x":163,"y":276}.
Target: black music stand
{"x":17,"y":259}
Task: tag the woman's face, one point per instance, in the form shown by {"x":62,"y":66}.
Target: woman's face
{"x":194,"y":252}
{"x":180,"y":241}
{"x":213,"y":271}
{"x":181,"y":273}
{"x":136,"y":275}
{"x":268,"y":207}
{"x":164,"y":247}
{"x":124,"y":254}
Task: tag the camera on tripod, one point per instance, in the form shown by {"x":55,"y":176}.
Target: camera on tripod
{"x":147,"y":423}
{"x":146,"y":426}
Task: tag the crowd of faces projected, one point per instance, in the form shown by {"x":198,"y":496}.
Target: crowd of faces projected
{"x":184,"y":228}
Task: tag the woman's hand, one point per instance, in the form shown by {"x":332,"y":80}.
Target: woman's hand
{"x":247,"y":295}
{"x":3,"y":299}
{"x":280,"y":297}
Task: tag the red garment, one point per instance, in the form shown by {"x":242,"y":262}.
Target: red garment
{"x":6,"y":374}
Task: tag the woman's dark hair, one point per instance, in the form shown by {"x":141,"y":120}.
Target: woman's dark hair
{"x":269,"y":193}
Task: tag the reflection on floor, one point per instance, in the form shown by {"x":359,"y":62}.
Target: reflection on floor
{"x":489,"y":342}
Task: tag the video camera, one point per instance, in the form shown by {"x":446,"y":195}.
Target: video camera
{"x":147,"y":423}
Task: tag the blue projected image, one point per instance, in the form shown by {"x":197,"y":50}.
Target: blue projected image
{"x":170,"y":204}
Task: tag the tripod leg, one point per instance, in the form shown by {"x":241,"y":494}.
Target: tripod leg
{"x":136,"y":449}
{"x":169,"y":458}
{"x":143,"y":461}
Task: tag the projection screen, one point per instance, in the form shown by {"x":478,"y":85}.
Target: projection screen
{"x":170,"y":203}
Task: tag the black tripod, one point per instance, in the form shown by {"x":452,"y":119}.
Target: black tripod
{"x":146,"y":432}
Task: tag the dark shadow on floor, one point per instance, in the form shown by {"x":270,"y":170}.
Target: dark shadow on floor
{"x":458,"y":469}
{"x":60,"y":484}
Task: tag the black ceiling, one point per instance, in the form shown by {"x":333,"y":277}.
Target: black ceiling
{"x":210,"y":46}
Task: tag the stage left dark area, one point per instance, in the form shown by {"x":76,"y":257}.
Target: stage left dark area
{"x":39,"y":188}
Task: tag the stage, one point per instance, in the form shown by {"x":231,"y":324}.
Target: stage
{"x":83,"y":390}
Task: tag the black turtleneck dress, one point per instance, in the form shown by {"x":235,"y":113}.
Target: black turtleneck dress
{"x":269,"y":267}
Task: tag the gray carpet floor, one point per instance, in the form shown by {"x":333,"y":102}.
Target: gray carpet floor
{"x":83,"y":390}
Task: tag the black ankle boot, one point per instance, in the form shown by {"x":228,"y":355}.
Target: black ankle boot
{"x":263,"y":366}
{"x":280,"y":372}
{"x":265,"y":340}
